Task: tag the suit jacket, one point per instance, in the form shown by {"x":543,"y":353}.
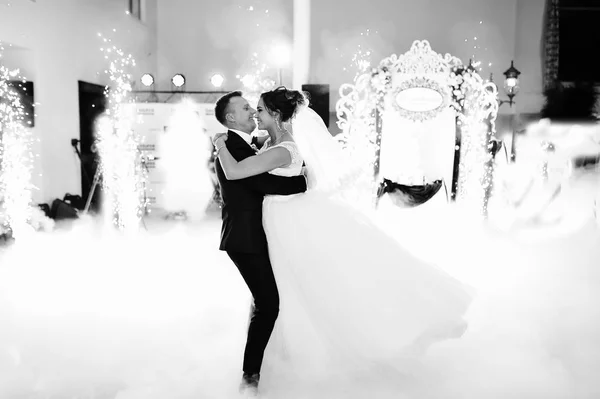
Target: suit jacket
{"x":242,"y":229}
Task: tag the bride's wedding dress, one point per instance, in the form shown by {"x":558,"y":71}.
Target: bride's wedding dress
{"x":351,"y":297}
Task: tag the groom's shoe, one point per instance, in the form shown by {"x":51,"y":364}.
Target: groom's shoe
{"x":249,"y":384}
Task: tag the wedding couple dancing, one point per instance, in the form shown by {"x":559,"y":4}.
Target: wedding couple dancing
{"x":334,"y":296}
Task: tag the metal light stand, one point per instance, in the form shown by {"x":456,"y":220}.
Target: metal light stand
{"x":98,"y":176}
{"x":144,"y":160}
{"x":88,"y":202}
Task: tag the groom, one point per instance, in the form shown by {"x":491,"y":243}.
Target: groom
{"x":242,"y":234}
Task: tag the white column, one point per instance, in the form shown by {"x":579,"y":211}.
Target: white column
{"x":301,"y":51}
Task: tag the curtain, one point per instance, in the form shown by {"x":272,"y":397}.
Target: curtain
{"x":550,"y":44}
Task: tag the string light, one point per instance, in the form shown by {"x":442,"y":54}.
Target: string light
{"x":256,"y":80}
{"x":261,"y":68}
{"x":358,"y":118}
{"x":477,"y":129}
{"x":16,"y":157}
{"x":360,"y":59}
{"x":118,"y":144}
{"x":476,"y":57}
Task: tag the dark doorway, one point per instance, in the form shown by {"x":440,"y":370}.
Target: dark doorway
{"x":92,"y":103}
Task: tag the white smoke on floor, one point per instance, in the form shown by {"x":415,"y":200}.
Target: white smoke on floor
{"x":534,"y":322}
{"x":88,"y":311}
{"x":91,"y":313}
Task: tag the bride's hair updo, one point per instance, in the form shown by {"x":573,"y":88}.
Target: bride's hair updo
{"x":284,"y":102}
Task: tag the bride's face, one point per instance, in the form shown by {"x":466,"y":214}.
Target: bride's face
{"x":264,"y":119}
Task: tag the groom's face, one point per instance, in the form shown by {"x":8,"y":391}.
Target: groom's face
{"x":241,"y":115}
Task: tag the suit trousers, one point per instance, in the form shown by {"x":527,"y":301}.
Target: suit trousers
{"x":257,"y":272}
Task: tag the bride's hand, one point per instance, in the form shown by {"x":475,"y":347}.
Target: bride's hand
{"x":219,"y":136}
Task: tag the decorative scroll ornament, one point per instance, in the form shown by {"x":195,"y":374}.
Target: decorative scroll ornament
{"x":419,"y":85}
{"x":420,"y":99}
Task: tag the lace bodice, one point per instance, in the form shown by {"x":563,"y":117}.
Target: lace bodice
{"x":294,"y":168}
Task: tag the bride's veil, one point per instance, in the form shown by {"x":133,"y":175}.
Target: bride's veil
{"x":328,"y":166}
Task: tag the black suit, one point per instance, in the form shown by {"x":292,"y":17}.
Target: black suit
{"x":243,"y":237}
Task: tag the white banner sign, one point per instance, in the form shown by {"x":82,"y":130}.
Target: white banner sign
{"x":153,"y":124}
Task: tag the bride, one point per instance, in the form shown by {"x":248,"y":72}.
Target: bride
{"x":351,"y":297}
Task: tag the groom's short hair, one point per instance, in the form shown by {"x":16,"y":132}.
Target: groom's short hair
{"x":222,"y":106}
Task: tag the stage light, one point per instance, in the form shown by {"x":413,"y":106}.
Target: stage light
{"x":217,"y":80}
{"x":280,"y":55}
{"x":248,"y":81}
{"x":178,"y":80}
{"x":147,"y":80}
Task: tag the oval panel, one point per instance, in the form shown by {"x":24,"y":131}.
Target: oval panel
{"x":419,"y":99}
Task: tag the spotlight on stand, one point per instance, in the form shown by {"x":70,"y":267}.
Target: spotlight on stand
{"x":178,"y":80}
{"x":147,"y":80}
{"x":217,"y":80}
{"x":280,"y":57}
{"x":248,"y":81}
